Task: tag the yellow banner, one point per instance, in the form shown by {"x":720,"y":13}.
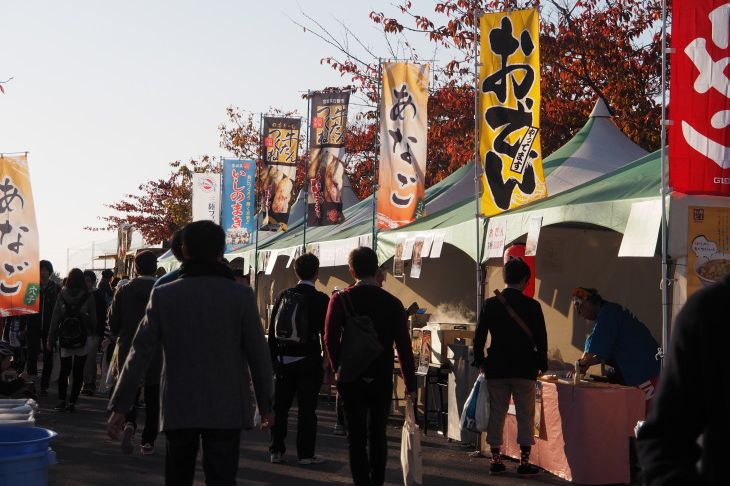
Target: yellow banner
{"x":708,"y":246}
{"x":509,"y":111}
{"x":403,"y":144}
{"x":19,"y":272}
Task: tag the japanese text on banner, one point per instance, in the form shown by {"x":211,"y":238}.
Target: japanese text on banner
{"x":509,"y":110}
{"x":238,"y":215}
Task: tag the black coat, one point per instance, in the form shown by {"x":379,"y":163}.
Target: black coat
{"x":317,"y":309}
{"x":510,"y":354}
{"x":693,"y":398}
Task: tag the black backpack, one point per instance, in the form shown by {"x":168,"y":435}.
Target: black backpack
{"x":359,"y":345}
{"x":72,"y":329}
{"x":291,"y":323}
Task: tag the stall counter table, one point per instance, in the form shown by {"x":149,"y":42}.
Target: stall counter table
{"x":585,"y":431}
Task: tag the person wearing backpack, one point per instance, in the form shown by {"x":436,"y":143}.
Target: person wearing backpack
{"x":374,"y":319}
{"x":295,"y":342}
{"x":72,"y":324}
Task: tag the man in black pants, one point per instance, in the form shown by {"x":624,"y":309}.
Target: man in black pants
{"x":366,"y":400}
{"x":297,"y":360}
{"x":49,"y":293}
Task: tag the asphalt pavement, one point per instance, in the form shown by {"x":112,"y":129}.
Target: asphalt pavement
{"x":86,"y":456}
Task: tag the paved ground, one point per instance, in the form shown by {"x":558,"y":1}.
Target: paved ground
{"x":87,"y":457}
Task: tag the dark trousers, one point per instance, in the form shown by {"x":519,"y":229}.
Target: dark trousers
{"x":33,"y":348}
{"x":367,"y":406}
{"x":302,"y":379}
{"x":75,"y":363}
{"x":220,"y":456}
{"x":47,"y":369}
{"x":151,"y":415}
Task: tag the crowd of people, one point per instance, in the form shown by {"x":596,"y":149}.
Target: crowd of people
{"x":165,"y":337}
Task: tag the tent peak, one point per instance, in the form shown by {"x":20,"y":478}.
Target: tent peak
{"x":600,"y":110}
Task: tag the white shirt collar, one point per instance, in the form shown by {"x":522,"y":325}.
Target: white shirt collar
{"x":306,"y":282}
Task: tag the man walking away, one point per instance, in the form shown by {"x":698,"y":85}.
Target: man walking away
{"x":90,"y":367}
{"x":366,"y":399}
{"x":49,"y":293}
{"x":176,"y":249}
{"x":295,"y":342}
{"x":205,"y":322}
{"x":516,"y":356}
{"x":127,"y":310}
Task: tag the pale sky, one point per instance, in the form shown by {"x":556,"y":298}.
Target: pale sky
{"x":106,"y":94}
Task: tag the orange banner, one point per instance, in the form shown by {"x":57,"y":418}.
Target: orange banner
{"x":19,"y":272}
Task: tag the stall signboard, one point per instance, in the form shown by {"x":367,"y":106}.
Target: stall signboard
{"x":398,"y":264}
{"x":496,"y":234}
{"x":699,"y":141}
{"x":509,"y":111}
{"x":326,"y":171}
{"x":533,"y":235}
{"x":403,"y":135}
{"x":20,"y":273}
{"x":708,"y":246}
{"x":237,"y":209}
{"x":417,"y":262}
{"x":206,"y":196}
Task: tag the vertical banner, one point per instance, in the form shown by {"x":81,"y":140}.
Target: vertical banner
{"x":708,"y":246}
{"x":124,"y":243}
{"x":206,"y":197}
{"x":699,"y":140}
{"x":509,"y":111}
{"x":326,"y":157}
{"x":403,"y":138}
{"x":238,"y":215}
{"x":19,"y":272}
{"x":280,"y":155}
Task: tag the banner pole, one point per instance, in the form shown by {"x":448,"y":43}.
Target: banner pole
{"x":664,"y":228}
{"x":306,"y":171}
{"x":477,"y":165}
{"x":256,"y":213}
{"x":376,"y":159}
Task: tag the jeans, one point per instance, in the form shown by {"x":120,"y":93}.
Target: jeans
{"x":151,"y":415}
{"x":302,"y":379}
{"x":367,"y":406}
{"x":67,"y":364}
{"x":220,"y":456}
{"x":523,"y":394}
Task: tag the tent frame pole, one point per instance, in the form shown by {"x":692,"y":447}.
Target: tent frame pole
{"x":666,"y":283}
{"x":256,"y":213}
{"x":477,"y":165}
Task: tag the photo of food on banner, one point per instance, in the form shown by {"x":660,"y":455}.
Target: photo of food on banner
{"x":326,"y":178}
{"x":277,"y":184}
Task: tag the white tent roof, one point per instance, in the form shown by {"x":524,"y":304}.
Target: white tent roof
{"x":597,"y":149}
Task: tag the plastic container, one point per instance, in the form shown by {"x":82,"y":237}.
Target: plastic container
{"x":25,"y":455}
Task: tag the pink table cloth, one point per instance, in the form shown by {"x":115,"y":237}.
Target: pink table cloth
{"x":585,"y":431}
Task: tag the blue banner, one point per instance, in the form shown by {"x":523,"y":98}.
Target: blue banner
{"x":237,"y":205}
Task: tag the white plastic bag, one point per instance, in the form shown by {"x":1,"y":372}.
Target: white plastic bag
{"x":410,"y":449}
{"x":475,"y":415}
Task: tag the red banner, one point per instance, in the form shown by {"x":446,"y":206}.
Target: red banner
{"x":699,"y":139}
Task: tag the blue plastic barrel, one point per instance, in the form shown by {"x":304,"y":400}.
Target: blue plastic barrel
{"x":25,"y":456}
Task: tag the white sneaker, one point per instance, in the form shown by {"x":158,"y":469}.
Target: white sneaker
{"x":127,"y":439}
{"x":311,"y":460}
{"x":277,"y":458}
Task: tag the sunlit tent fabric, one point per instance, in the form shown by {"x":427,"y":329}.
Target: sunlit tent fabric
{"x":597,"y":149}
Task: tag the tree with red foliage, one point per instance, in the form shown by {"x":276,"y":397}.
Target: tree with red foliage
{"x":589,"y":48}
{"x":161,"y":206}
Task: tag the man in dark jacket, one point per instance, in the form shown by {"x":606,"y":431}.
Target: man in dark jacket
{"x":127,"y":310}
{"x":90,"y":367}
{"x":206,"y":323}
{"x":366,"y":400}
{"x":298,"y":366}
{"x":49,"y":294}
{"x":692,"y":400}
{"x":514,"y":360}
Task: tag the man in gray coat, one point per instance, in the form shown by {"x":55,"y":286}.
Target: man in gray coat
{"x":209,"y":328}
